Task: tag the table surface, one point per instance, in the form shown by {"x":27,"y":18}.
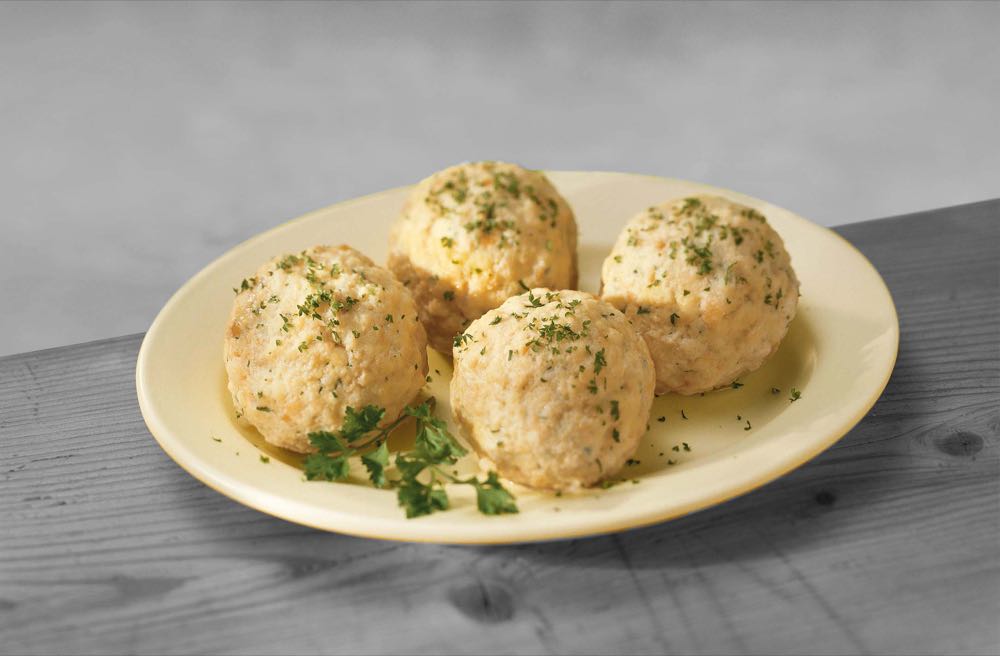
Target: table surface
{"x":886,"y":543}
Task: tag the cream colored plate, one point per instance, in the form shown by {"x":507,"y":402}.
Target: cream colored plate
{"x":839,"y":353}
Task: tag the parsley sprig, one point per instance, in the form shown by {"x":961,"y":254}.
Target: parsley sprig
{"x":420,"y":486}
{"x":334,"y":448}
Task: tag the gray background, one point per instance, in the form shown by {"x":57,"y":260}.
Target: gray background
{"x":140,"y":141}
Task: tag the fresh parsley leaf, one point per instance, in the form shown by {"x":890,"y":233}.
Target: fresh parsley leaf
{"x":418,"y":499}
{"x":492,"y":498}
{"x":435,"y":443}
{"x":327,"y":442}
{"x":376,"y":462}
{"x":357,"y":424}
{"x":330,"y":468}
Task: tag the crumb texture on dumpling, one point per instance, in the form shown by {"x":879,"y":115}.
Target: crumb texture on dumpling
{"x":554,"y":388}
{"x":473,"y":235}
{"x":708,"y":284}
{"x":315,"y":332}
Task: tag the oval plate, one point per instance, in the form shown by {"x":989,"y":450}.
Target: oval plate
{"x":699,"y":451}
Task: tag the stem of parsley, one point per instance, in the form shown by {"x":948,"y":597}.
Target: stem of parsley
{"x":379,"y":437}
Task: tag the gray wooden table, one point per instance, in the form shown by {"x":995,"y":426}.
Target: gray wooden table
{"x":886,"y":543}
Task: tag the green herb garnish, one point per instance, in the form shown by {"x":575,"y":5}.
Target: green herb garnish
{"x":599,"y":362}
{"x":420,"y":485}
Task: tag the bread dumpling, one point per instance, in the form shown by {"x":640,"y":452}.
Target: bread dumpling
{"x":708,"y":284}
{"x":473,"y":235}
{"x":314,"y":333}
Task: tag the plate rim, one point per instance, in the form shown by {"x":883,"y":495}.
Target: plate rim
{"x":231,"y":489}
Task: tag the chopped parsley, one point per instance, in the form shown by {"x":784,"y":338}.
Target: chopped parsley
{"x":533,"y":301}
{"x":247,"y":283}
{"x":288,"y":262}
{"x":599,"y":362}
{"x":551,"y":332}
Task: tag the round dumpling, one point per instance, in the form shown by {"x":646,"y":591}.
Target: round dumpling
{"x":473,"y":235}
{"x":315,"y":333}
{"x":708,"y":284}
{"x":554,"y":388}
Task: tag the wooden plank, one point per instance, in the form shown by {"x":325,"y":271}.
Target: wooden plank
{"x":887,"y":543}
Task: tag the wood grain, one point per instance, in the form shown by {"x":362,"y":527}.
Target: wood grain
{"x":886,"y":543}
